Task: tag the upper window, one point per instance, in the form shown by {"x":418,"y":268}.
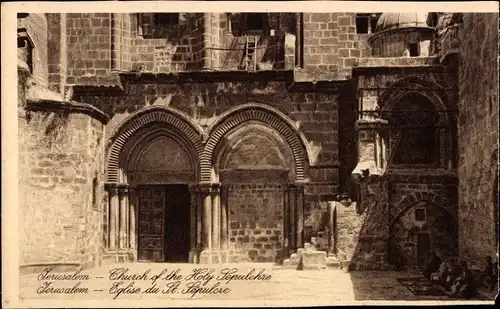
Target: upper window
{"x":362,"y":23}
{"x":414,"y":49}
{"x":255,"y":21}
{"x":166,"y":19}
{"x":366,"y":22}
{"x":95,"y":185}
{"x":420,"y":214}
{"x":414,"y":132}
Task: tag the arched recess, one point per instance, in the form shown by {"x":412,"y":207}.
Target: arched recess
{"x":419,"y":124}
{"x":153,"y":159}
{"x":420,"y":229}
{"x":177,"y":124}
{"x":253,"y":146}
{"x":256,"y":113}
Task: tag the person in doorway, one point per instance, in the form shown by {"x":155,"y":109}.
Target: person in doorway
{"x":440,"y":276}
{"x":464,"y":285}
{"x":490,"y":274}
{"x":433,"y":266}
{"x":454,"y":271}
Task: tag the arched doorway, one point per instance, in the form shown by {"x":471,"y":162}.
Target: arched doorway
{"x":160,"y":169}
{"x":254,"y":159}
{"x":254,"y":168}
{"x":420,"y":230}
{"x":152,"y":166}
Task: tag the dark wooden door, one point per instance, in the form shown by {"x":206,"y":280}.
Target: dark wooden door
{"x":177,"y":223}
{"x":151,"y":224}
{"x":423,"y":249}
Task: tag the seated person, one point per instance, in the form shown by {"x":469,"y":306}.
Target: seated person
{"x":464,"y":285}
{"x":454,"y":271}
{"x":433,"y":266}
{"x":489,"y":275}
{"x":440,"y":276}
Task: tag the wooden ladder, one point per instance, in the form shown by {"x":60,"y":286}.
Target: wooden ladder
{"x":251,"y":53}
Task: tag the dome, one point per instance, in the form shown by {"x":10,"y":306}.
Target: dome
{"x":388,"y":21}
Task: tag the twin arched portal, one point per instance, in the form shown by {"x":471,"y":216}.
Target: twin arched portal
{"x":203,"y":154}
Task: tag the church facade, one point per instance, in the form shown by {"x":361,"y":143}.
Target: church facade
{"x":225,"y":138}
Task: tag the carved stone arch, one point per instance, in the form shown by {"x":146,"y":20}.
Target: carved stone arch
{"x":185,"y":129}
{"x":260,"y":113}
{"x":394,"y":97}
{"x":430,"y":198}
{"x":147,"y":137}
{"x":229,"y":153}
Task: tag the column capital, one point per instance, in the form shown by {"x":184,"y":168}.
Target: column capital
{"x":215,"y":189}
{"x":122,"y":188}
{"x":111,"y":188}
{"x":205,"y":187}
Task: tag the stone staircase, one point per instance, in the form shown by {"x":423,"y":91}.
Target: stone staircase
{"x":310,"y":258}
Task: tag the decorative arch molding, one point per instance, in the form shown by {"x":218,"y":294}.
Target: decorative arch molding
{"x":152,"y":115}
{"x":422,"y":197}
{"x":259,"y":113}
{"x":393,"y":96}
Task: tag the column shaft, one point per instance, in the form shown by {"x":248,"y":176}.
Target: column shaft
{"x":286,"y":223}
{"x":207,"y":221}
{"x":133,"y":204}
{"x":216,"y":216}
{"x":300,"y":216}
{"x":113,"y":218}
{"x":123,"y":193}
{"x":224,"y":216}
{"x":293,"y":217}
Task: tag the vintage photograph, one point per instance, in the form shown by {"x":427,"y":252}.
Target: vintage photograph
{"x":258,"y":156}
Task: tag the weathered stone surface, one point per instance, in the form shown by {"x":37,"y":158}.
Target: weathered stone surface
{"x":478,"y":137}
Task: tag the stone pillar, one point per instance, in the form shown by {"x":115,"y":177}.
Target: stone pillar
{"x":132,"y":214}
{"x":331,"y":226}
{"x":195,"y":224}
{"x":123,"y":221}
{"x":299,"y":194}
{"x":292,"y":217}
{"x":207,"y":41}
{"x":116,"y":19}
{"x":224,"y":236}
{"x":113,"y":217}
{"x":216,"y":216}
{"x":206,"y":199}
{"x":286,"y":223}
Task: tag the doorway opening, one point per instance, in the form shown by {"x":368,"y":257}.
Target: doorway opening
{"x":164,"y":223}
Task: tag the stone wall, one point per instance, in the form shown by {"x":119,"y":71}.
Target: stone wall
{"x":255,"y":222}
{"x":478,"y":135}
{"x":331,"y":46}
{"x":59,"y":157}
{"x":315,"y":114}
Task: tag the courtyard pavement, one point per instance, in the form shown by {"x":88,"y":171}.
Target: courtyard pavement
{"x":176,"y":284}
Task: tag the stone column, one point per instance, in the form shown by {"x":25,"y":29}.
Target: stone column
{"x":331,"y":226}
{"x":206,"y":199}
{"x":224,"y":237}
{"x":216,"y":216}
{"x":123,"y":226}
{"x":194,"y":220}
{"x":132,"y":214}
{"x":299,"y":194}
{"x":113,"y":217}
{"x":286,"y":223}
{"x":292,"y":216}
{"x":207,"y":41}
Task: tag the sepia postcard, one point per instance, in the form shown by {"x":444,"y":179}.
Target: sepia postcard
{"x":234,"y":153}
